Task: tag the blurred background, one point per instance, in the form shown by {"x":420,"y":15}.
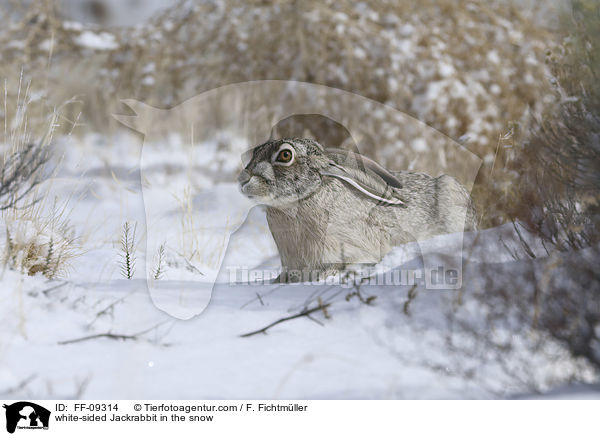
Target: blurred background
{"x":483,"y":73}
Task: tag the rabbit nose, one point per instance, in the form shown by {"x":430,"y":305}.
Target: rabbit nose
{"x":244,"y":177}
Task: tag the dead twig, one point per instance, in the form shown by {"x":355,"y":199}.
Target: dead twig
{"x":81,"y":387}
{"x":133,"y":337}
{"x":262,"y":303}
{"x":108,"y":310}
{"x":368,"y":301}
{"x":412,"y":294}
{"x":53,"y":288}
{"x":305,"y":312}
{"x":190,"y":267}
{"x":260,"y":297}
{"x":99,"y":335}
{"x":19,"y":386}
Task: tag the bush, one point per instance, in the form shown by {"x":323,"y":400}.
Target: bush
{"x":37,"y":235}
{"x":39,"y":243}
{"x":559,"y":166}
{"x":21,"y":173}
{"x":557,"y":195}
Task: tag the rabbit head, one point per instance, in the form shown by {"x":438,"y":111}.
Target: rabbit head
{"x":282,"y":172}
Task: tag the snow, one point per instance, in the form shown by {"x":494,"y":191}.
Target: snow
{"x":493,"y":57}
{"x":569,"y":392}
{"x":148,"y":81}
{"x":188,"y":333}
{"x":72,"y":25}
{"x":446,"y":70}
{"x":46,"y":45}
{"x":97,"y":41}
{"x":419,"y":145}
{"x":113,"y":12}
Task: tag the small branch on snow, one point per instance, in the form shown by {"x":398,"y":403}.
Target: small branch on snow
{"x":190,"y":266}
{"x":412,"y":294}
{"x":99,"y":335}
{"x":305,"y":312}
{"x":315,"y":320}
{"x":262,"y":303}
{"x":109,"y":309}
{"x":81,"y":387}
{"x":133,"y":337}
{"x":53,"y":288}
{"x":19,"y":386}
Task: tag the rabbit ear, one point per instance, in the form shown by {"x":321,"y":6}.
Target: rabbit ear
{"x":364,"y":175}
{"x":360,"y":162}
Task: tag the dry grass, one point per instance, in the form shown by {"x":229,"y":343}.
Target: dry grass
{"x":38,"y":237}
{"x":40,"y":241}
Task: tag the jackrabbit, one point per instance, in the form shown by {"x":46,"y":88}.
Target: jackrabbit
{"x":329,"y":208}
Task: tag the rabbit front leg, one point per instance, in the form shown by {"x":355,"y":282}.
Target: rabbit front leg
{"x":300,"y":236}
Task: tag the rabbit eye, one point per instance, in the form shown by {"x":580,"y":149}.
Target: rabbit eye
{"x":285,"y":156}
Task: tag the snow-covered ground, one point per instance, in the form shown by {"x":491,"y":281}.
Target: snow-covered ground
{"x":175,"y":338}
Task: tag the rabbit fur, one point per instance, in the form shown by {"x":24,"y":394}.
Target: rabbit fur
{"x":329,"y":208}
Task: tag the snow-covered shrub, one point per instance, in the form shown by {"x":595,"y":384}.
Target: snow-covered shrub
{"x":38,"y":242}
{"x":29,"y":246}
{"x":556,"y":195}
{"x":568,"y":305}
{"x":548,"y":306}
{"x":559,"y":166}
{"x":560,"y":182}
{"x":35,"y":233}
{"x":554,"y":192}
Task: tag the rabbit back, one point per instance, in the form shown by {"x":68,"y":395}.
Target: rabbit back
{"x":337,"y":226}
{"x":439,"y":204}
